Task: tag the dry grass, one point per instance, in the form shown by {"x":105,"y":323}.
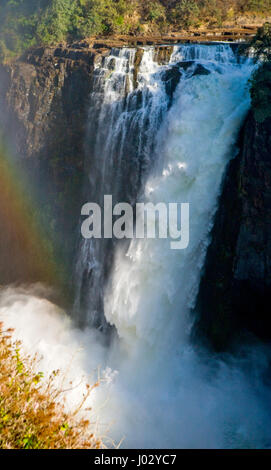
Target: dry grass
{"x":31,"y":416}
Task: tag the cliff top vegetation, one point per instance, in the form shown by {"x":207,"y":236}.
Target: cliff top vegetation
{"x":261,"y":79}
{"x":27,"y":23}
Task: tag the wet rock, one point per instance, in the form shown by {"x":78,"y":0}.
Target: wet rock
{"x":162,"y":54}
{"x":234,"y":296}
{"x":112,"y":64}
{"x":44,"y":96}
{"x":200,"y":70}
{"x":171,"y":77}
{"x":138,"y":58}
{"x":185,"y":65}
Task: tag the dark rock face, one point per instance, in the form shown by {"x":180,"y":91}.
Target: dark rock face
{"x":137,"y":62}
{"x":44,"y":102}
{"x":235,"y":290}
{"x":171,"y":77}
{"x":163,"y":54}
{"x":186,"y":64}
{"x":200,"y":70}
{"x":43,"y":108}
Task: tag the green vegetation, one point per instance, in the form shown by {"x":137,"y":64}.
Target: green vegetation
{"x":261,"y":44}
{"x":26,"y":23}
{"x":261,"y":80}
{"x":31,"y":416}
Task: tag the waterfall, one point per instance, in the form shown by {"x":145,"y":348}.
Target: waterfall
{"x":127,"y":106}
{"x":152,"y":287}
{"x":161,"y":128}
{"x":166,"y":137}
{"x":162,"y":131}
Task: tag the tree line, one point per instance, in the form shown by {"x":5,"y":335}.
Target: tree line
{"x":27,"y":23}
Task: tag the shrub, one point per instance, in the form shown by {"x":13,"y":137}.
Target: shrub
{"x":259,"y":6}
{"x":31,"y":416}
{"x":261,"y":44}
{"x":186,"y":12}
{"x":55,"y":21}
{"x":155,"y":12}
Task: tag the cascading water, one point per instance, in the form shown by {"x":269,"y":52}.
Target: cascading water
{"x":203,"y":94}
{"x":153,"y":287}
{"x":127,"y":142}
{"x":157,"y":133}
{"x":126,"y":109}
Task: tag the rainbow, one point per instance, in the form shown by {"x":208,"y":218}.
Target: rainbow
{"x":26,"y":253}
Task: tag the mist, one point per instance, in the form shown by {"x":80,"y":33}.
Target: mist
{"x":199,"y":401}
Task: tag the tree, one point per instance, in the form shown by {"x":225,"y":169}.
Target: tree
{"x":261,"y":44}
{"x":186,"y":12}
{"x":55,"y":21}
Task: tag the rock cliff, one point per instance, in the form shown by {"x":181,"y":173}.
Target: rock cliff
{"x":44,"y":103}
{"x":234,"y":295}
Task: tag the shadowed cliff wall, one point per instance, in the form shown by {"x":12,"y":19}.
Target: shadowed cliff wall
{"x":43,"y":112}
{"x":235,"y":290}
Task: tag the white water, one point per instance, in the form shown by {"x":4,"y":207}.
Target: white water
{"x":176,"y":400}
{"x":158,"y":391}
{"x":122,"y":126}
{"x":153,"y":287}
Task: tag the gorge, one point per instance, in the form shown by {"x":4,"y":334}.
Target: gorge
{"x":148,"y":124}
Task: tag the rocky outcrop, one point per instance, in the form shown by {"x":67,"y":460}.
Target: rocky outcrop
{"x":230,"y":33}
{"x":234,"y":295}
